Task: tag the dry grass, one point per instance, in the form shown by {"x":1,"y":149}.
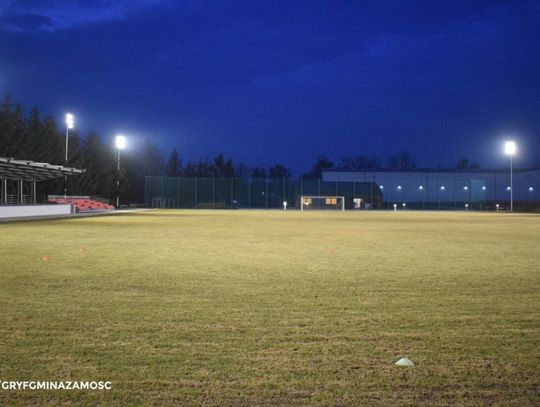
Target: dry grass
{"x":274,"y":308}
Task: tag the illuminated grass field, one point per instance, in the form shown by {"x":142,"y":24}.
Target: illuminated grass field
{"x":274,"y":308}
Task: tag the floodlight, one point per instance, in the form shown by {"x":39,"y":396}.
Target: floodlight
{"x":70,"y":121}
{"x":484,"y":188}
{"x":399,"y":187}
{"x":420,"y":187}
{"x":404,"y":204}
{"x":466,"y":188}
{"x":381,"y":187}
{"x":443,"y":187}
{"x":120,"y":142}
{"x":508,"y":188}
{"x":510,"y":147}
{"x":531,"y":189}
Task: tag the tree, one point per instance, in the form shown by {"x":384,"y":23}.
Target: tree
{"x":322,"y":164}
{"x":173,"y":168}
{"x":259,"y":172}
{"x":358,"y":163}
{"x":401,"y":161}
{"x":189,"y":170}
{"x":464,"y":164}
{"x":279,"y":171}
{"x":228,"y":169}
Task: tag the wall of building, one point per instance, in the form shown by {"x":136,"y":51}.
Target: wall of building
{"x":447,"y":186}
{"x":34,"y":211}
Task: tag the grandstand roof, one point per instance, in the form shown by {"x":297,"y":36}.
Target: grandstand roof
{"x":26,"y":170}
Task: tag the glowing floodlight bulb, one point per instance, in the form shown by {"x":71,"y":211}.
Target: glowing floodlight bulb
{"x":510,"y":147}
{"x":465,"y":188}
{"x":381,"y":187}
{"x":484,"y":188}
{"x":420,"y":187}
{"x":531,"y":189}
{"x":443,"y":187}
{"x":120,"y":142}
{"x":70,"y":121}
{"x":284,"y":205}
{"x":508,"y":188}
{"x":399,"y":187}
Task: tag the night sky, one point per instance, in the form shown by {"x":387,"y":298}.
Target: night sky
{"x":271,"y":81}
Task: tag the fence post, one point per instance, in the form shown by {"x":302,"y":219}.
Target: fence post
{"x":249,"y":192}
{"x":178,"y":191}
{"x":266,"y":193}
{"x":232,"y":191}
{"x":145,"y":195}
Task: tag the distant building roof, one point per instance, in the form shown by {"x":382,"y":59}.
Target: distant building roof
{"x":453,"y":170}
{"x":27,"y":170}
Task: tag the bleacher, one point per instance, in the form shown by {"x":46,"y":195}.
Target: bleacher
{"x":82,"y":203}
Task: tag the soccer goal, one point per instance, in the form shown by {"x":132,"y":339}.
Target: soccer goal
{"x":322,"y":202}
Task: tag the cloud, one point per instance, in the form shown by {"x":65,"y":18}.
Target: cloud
{"x":43,"y":15}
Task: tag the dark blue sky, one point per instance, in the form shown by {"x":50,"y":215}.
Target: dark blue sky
{"x":272,"y":81}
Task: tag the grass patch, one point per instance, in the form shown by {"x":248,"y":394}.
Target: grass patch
{"x":267,"y":307}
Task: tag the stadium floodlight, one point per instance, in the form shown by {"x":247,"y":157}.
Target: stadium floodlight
{"x":284,"y":205}
{"x":483,"y":188}
{"x":510,"y":150}
{"x":508,"y":188}
{"x":120,"y":142}
{"x":420,"y":187}
{"x":443,"y":187}
{"x":465,"y":188}
{"x":467,"y":207}
{"x":399,"y":187}
{"x":531,"y":189}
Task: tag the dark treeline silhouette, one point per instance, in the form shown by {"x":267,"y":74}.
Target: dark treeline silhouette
{"x":33,"y":137}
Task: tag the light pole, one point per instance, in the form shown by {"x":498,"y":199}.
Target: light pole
{"x":510,"y":149}
{"x":120,"y":145}
{"x":70,"y":122}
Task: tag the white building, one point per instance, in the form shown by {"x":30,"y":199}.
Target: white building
{"x":459,"y":187}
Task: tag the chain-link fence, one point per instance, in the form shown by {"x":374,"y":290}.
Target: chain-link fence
{"x":388,"y":191}
{"x":210,"y":193}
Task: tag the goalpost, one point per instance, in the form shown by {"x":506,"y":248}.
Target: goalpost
{"x":322,"y":202}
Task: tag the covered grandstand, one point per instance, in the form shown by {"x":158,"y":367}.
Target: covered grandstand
{"x":18,"y":197}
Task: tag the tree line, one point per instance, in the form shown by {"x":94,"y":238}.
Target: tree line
{"x":33,"y":137}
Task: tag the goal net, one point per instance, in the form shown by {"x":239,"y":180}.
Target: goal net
{"x":322,"y":202}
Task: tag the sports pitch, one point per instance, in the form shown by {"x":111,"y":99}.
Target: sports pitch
{"x":274,"y":308}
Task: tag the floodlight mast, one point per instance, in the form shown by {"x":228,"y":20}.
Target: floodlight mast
{"x":510,"y":149}
{"x":120,"y":142}
{"x":70,"y":121}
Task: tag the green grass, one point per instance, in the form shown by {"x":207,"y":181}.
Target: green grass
{"x":274,"y":308}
